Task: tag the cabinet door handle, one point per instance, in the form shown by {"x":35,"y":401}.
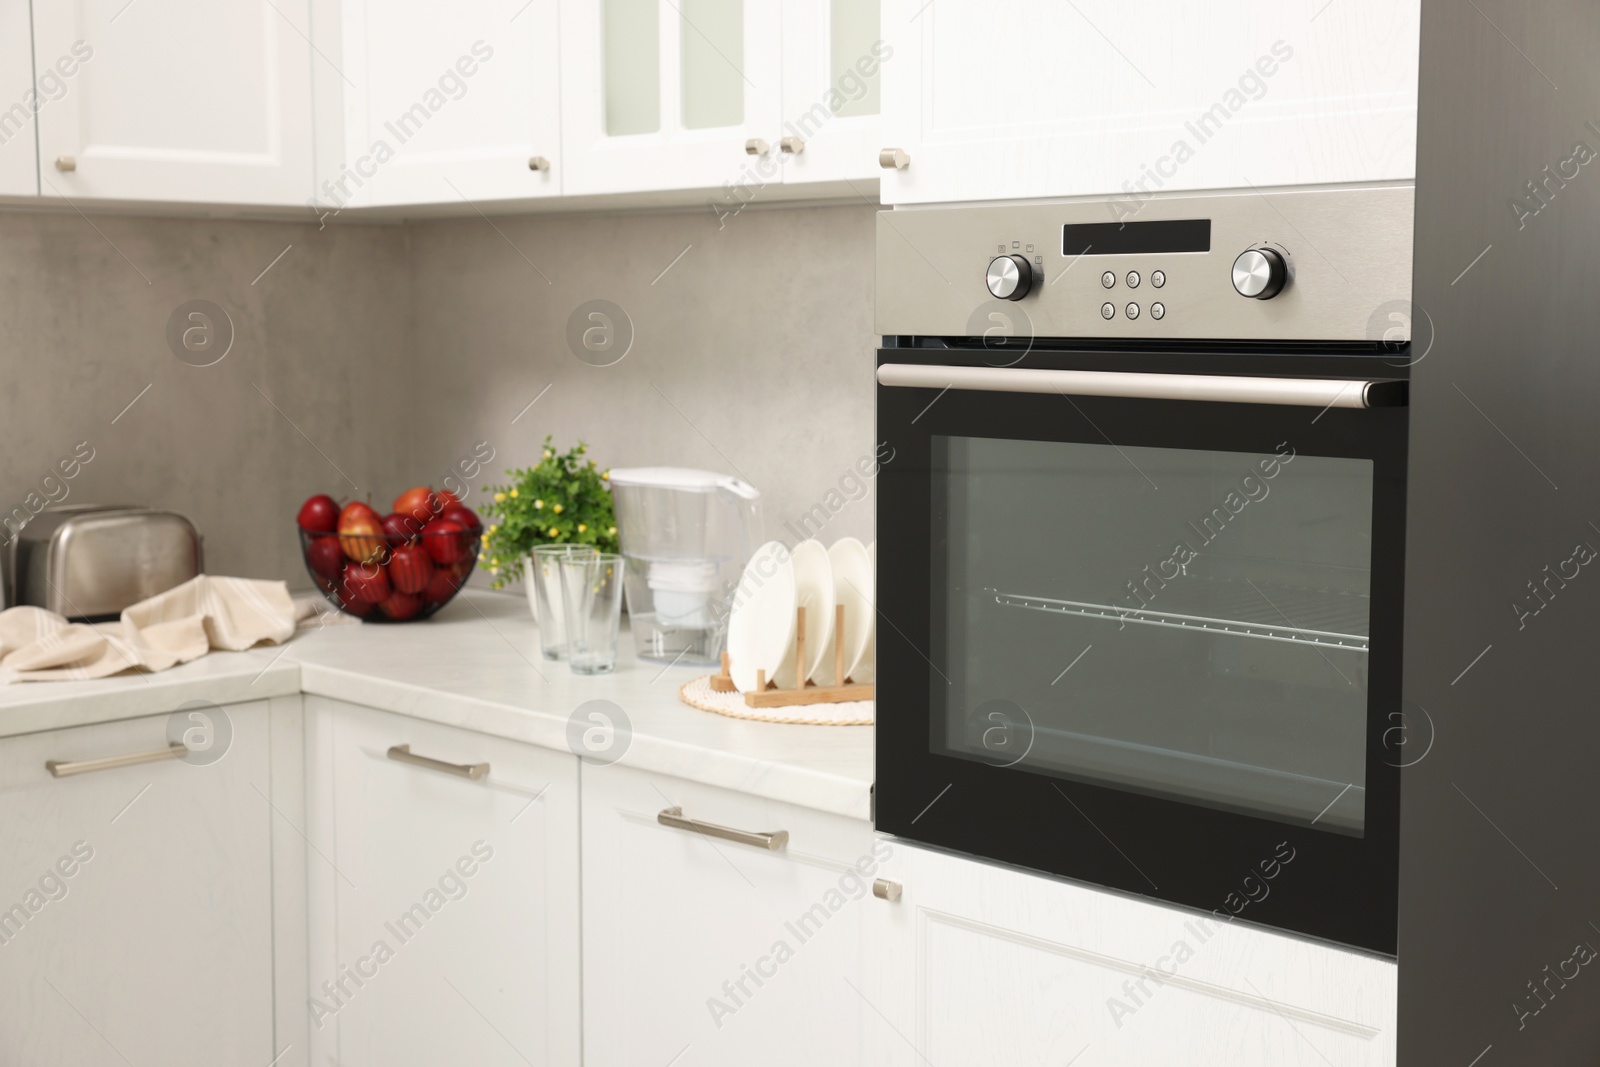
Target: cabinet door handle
{"x":884,"y":889}
{"x":755,"y":146}
{"x":66,"y":163}
{"x":772,"y":840}
{"x":894,"y":159}
{"x":64,"y":768}
{"x":403,"y":754}
{"x":539,"y":163}
{"x":792,"y":145}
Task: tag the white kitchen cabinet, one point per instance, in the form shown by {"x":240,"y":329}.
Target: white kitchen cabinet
{"x":833,"y":56}
{"x":979,"y":964}
{"x":1036,"y":98}
{"x":445,"y":915}
{"x":136,"y":914}
{"x":19,"y":158}
{"x":444,"y":103}
{"x":670,"y":94}
{"x":179,"y":100}
{"x":715,"y":951}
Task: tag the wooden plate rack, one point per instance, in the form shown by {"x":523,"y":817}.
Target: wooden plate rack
{"x":767,"y":694}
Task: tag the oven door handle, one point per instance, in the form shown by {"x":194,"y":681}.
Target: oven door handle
{"x":1225,"y":389}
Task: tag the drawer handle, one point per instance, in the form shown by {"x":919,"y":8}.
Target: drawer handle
{"x":792,"y":145}
{"x":65,"y":768}
{"x":884,"y":889}
{"x":772,"y":841}
{"x":539,"y":163}
{"x":66,"y":164}
{"x":756,"y":146}
{"x":403,"y":754}
{"x":894,"y":159}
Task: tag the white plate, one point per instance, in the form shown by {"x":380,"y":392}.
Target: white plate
{"x":866,"y":668}
{"x":852,"y":587}
{"x":761,"y":626}
{"x":813,"y":590}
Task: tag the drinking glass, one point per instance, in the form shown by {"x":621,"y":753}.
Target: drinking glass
{"x":591,"y":588}
{"x":545,"y":574}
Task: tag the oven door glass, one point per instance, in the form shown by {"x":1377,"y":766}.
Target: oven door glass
{"x":1177,"y":622}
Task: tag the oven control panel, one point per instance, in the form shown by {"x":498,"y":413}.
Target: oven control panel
{"x":1313,"y":263}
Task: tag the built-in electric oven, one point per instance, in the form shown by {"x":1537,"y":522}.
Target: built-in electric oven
{"x":1141,"y":545}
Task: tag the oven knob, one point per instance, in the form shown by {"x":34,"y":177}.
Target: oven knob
{"x":1260,"y":273}
{"x":1009,"y":277}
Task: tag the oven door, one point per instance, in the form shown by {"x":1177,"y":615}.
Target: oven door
{"x":1143,"y":630}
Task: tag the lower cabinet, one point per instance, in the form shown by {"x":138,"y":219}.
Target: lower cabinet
{"x":708,"y":951}
{"x":984,"y":965}
{"x":136,"y":898}
{"x":444,"y":917}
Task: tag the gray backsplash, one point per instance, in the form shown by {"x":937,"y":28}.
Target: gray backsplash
{"x":372,"y":357}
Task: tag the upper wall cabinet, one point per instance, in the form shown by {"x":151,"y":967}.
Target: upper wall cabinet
{"x":1037,"y":98}
{"x":19,"y":174}
{"x":668,"y":94}
{"x":444,"y":103}
{"x":187,"y":100}
{"x":832,"y":99}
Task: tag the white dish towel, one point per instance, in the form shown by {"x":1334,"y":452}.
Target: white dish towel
{"x":174,"y":627}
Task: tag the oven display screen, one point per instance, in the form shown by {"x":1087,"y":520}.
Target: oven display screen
{"x":1135,"y":238}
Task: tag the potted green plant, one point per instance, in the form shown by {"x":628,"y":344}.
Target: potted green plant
{"x":564,"y":500}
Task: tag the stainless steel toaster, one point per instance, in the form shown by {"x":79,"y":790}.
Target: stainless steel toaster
{"x":93,"y":560}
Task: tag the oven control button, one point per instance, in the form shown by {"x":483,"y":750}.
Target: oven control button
{"x":1260,"y":273}
{"x":1158,"y":310}
{"x":1133,"y":279}
{"x":1158,"y":278}
{"x":1108,"y":279}
{"x":1133,"y":311}
{"x":1009,"y":277}
{"x":1108,"y":310}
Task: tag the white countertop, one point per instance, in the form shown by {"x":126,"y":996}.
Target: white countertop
{"x":477,"y":665}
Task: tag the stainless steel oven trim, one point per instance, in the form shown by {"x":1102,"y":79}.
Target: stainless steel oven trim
{"x":1219,"y":388}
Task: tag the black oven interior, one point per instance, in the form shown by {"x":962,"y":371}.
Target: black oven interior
{"x":1183,"y":623}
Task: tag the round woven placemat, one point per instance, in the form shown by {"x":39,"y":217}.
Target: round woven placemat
{"x":697,"y":693}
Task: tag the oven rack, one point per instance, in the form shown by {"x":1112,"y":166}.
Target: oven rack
{"x":1269,"y":612}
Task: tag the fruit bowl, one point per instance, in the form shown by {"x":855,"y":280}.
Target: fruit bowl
{"x":390,"y":582}
{"x":399,"y":568}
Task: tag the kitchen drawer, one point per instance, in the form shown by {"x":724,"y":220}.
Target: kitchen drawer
{"x":734,"y":952}
{"x":136,"y":901}
{"x":445,"y":907}
{"x":982,"y":964}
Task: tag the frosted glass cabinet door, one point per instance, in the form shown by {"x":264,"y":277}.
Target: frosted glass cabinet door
{"x":182,"y":100}
{"x":1039,"y":98}
{"x":833,"y":55}
{"x":670,"y":94}
{"x":19,"y":162}
{"x":467,"y":97}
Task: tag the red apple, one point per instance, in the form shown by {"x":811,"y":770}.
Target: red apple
{"x":364,"y":582}
{"x":326,"y":557}
{"x":410,"y":568}
{"x":462,"y":516}
{"x":358,"y":608}
{"x":418,"y":502}
{"x":400,"y":529}
{"x":446,"y":541}
{"x":401,"y":606}
{"x":319,"y":514}
{"x":442,"y":586}
{"x":361,"y":532}
{"x":447,"y":499}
